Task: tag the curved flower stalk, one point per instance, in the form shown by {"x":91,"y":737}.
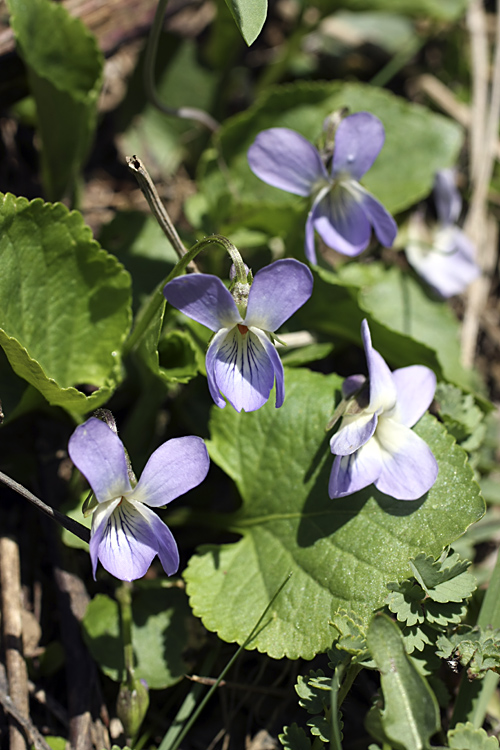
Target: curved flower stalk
{"x":126,"y":535}
{"x":375,"y":444}
{"x":442,"y":254}
{"x":242,"y":361}
{"x":343,"y":212}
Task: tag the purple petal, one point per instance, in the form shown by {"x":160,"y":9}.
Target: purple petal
{"x":383,"y":393}
{"x":352,"y":473}
{"x":354,"y":432}
{"x":446,"y":196}
{"x":211,"y":359}
{"x":286,"y":160}
{"x":342,"y":223}
{"x":203,"y":298}
{"x":358,"y":141}
{"x":277,"y":365}
{"x":415,"y":386}
{"x":409,"y":468}
{"x":448,"y":266}
{"x":168,"y":551}
{"x":99,"y":454}
{"x":382,"y":222}
{"x":309,"y":245}
{"x":242,"y":370}
{"x":123,"y":540}
{"x":277,"y":291}
{"x":173,"y":469}
{"x":352,"y":384}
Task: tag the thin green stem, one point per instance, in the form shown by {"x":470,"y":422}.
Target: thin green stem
{"x":336,"y":739}
{"x":398,"y":61}
{"x":473,"y":697}
{"x":188,"y":113}
{"x":157,"y":299}
{"x":228,"y":666}
{"x":124,"y":597}
{"x":351,"y":673}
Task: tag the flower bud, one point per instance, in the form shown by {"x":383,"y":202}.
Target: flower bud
{"x":132,"y":705}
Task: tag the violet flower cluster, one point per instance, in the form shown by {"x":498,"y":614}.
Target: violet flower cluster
{"x":126,"y":535}
{"x":375,"y":443}
{"x":441,"y":253}
{"x":343,"y":212}
{"x":242,"y":361}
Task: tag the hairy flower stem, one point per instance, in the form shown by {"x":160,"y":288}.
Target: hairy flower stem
{"x":69,"y":524}
{"x":187,"y":113}
{"x":157,"y":300}
{"x":473,"y":697}
{"x":124,"y":597}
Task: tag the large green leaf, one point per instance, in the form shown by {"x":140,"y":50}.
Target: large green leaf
{"x":250,"y":16}
{"x":411,"y":715}
{"x":408,"y":324}
{"x":64,"y":67}
{"x":64,"y":304}
{"x":159,"y":634}
{"x":341,"y":553}
{"x":399,"y":177}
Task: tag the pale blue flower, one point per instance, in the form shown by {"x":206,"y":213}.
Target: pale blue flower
{"x":126,"y":535}
{"x":375,"y":443}
{"x":441,"y":253}
{"x":242,"y":361}
{"x":343,"y":211}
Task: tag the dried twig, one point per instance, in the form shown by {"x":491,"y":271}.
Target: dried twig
{"x":483,"y":147}
{"x":70,"y":524}
{"x":9,"y":708}
{"x":10,"y":579}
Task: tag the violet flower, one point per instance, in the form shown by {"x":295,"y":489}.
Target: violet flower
{"x":375,"y":444}
{"x":242,"y":362}
{"x":126,"y":535}
{"x":442,"y":254}
{"x":343,"y":212}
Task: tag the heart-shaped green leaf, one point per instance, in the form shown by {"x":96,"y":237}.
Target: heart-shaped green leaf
{"x":65,"y":304}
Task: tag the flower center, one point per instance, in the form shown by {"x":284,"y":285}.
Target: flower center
{"x":242,"y":329}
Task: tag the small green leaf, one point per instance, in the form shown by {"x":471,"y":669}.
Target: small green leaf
{"x":444,"y":581}
{"x":462,"y":417}
{"x":250,"y":16}
{"x":320,"y":727}
{"x":56,"y":743}
{"x":159,"y":634}
{"x":411,"y":715}
{"x":64,"y":66}
{"x":468,"y":737}
{"x":313,"y":691}
{"x":477,"y":649}
{"x":294,"y":738}
{"x":352,"y":630}
{"x":405,"y":602}
{"x":66,"y":322}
